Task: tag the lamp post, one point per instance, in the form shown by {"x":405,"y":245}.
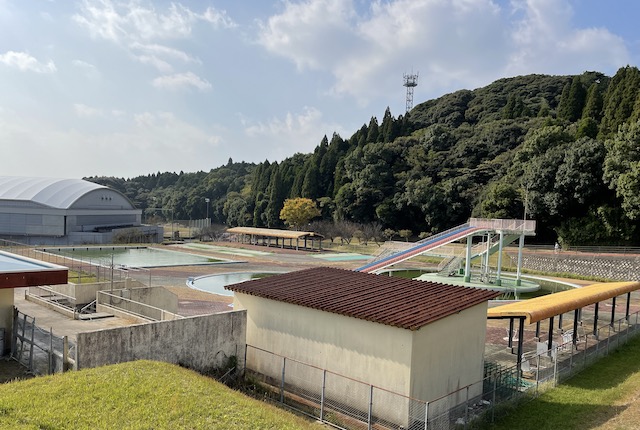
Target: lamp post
{"x":206,"y":199}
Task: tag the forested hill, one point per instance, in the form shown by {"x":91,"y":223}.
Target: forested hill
{"x":567,"y":146}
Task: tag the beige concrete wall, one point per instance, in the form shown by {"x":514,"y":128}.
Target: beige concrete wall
{"x":86,"y":293}
{"x":202,"y":342}
{"x":367,"y":351}
{"x":448,"y":355}
{"x":373,"y":353}
{"x":158,"y":297}
{"x":6,"y":318}
{"x":425,"y":364}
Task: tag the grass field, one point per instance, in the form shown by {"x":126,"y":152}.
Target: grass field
{"x":604,"y":396}
{"x":153,"y":395}
{"x":136,"y":395}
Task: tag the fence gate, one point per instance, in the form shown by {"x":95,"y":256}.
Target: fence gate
{"x":39,"y":350}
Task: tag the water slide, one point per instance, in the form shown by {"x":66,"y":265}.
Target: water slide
{"x":421,"y":247}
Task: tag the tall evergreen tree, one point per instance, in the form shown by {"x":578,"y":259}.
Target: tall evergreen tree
{"x":593,"y":105}
{"x":620,"y":99}
{"x":277,"y":195}
{"x":372,"y":135}
{"x":572,"y":101}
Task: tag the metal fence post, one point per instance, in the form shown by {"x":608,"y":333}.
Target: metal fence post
{"x":369,"y":418}
{"x":14,"y":334}
{"x":324,"y":384}
{"x":426,"y":416}
{"x":244,"y":370}
{"x":33,"y":334}
{"x":571,"y":361}
{"x":537,"y":373}
{"x":608,"y":340}
{"x":555,"y":369}
{"x":493,"y":403}
{"x":284,"y":364}
{"x":50,"y":350}
{"x":65,"y":353}
{"x":466,"y":408}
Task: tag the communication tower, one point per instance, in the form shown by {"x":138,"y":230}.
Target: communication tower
{"x":410,"y":81}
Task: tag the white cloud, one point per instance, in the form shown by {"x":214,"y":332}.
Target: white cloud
{"x":146,"y":31}
{"x":295,"y":132}
{"x":84,"y":111}
{"x":88,"y":69}
{"x":452,"y":43}
{"x":181,"y":80}
{"x":368,"y":53}
{"x":153,"y":54}
{"x":545,"y":40}
{"x":315,"y":34}
{"x":25,"y":62}
{"x":139,"y":21}
{"x":160,"y":142}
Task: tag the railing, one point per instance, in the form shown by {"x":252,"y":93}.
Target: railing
{"x":38,"y":349}
{"x":526,"y":226}
{"x":416,"y":246}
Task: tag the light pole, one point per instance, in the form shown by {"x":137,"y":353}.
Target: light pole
{"x":206,"y":199}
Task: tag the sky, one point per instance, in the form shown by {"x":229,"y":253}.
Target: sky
{"x":134,"y":87}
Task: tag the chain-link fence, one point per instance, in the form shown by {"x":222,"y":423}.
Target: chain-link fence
{"x":38,"y":349}
{"x":351,"y":404}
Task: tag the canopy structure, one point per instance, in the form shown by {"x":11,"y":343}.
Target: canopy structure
{"x":548,"y":307}
{"x":545,"y":307}
{"x":266,"y":236}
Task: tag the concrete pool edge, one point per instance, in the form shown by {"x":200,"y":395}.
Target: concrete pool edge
{"x":190,"y":280}
{"x":100,"y":261}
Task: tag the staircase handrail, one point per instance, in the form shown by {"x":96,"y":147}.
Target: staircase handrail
{"x":443,"y":233}
{"x":420,"y":244}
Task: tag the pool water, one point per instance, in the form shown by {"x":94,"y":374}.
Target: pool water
{"x":132,"y":256}
{"x":215,"y":283}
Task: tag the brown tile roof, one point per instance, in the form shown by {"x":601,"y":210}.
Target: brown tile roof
{"x":383,"y":299}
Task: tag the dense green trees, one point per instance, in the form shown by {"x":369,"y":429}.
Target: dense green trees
{"x":566,"y":147}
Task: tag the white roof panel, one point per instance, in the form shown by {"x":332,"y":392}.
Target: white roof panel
{"x":51,"y":192}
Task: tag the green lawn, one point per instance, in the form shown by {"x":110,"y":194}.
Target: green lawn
{"x":602,"y":396}
{"x":136,"y":395}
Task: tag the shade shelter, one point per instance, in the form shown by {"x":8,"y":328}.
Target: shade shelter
{"x":17,"y":271}
{"x":538,"y":309}
{"x":267,"y":237}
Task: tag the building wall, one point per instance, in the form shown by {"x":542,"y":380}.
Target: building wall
{"x":364,"y":351}
{"x":31,"y":222}
{"x":6,"y":318}
{"x":202,"y":343}
{"x":375,"y":353}
{"x":448,"y":355}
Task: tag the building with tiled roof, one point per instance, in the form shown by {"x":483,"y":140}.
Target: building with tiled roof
{"x":420,"y":339}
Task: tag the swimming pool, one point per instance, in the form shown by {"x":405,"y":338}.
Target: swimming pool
{"x":215,"y":283}
{"x":125,"y":256}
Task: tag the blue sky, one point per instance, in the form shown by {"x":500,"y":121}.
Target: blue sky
{"x":126,"y":88}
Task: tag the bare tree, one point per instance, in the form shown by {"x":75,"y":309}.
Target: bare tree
{"x":345,"y":230}
{"x":373,"y":231}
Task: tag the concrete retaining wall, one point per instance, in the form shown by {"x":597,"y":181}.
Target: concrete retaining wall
{"x":86,"y":293}
{"x":201,"y":342}
{"x":622,"y":268}
{"x":158,"y":297}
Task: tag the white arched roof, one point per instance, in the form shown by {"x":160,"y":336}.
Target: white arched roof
{"x":51,"y":192}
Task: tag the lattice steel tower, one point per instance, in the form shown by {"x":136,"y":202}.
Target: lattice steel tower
{"x":410,"y":81}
